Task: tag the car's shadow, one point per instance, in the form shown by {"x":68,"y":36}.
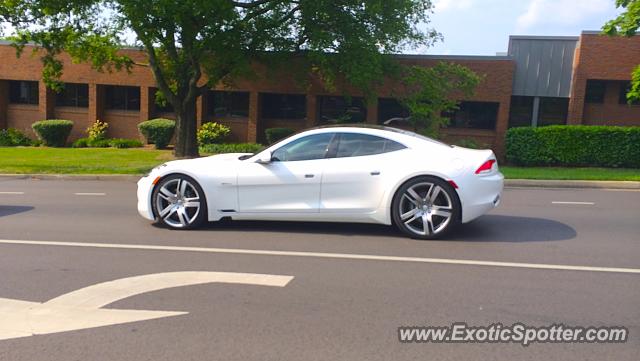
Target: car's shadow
{"x":11,"y":210}
{"x":488,"y":228}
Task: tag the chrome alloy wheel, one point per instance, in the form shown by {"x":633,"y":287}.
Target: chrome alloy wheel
{"x":425,"y":209}
{"x":178,"y":203}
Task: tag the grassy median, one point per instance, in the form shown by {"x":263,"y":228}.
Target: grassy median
{"x":41,"y":160}
{"x":30,"y":160}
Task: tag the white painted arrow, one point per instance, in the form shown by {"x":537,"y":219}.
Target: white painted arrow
{"x":81,"y":309}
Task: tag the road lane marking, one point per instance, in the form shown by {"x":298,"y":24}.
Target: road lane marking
{"x":11,"y":192}
{"x":90,"y":194}
{"x":577,"y":203}
{"x":82,"y":309}
{"x":366,"y":257}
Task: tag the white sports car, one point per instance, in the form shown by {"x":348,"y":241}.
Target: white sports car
{"x":367,"y":174}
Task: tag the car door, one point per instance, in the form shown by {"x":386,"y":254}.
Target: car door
{"x":354,"y":180}
{"x":290,"y":182}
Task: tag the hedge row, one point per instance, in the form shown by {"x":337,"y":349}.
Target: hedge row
{"x":574,"y":145}
{"x":231,"y":148}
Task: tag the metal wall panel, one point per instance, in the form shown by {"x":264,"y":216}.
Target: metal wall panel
{"x":544,"y":65}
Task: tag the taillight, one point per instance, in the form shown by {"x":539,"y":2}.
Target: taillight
{"x":486,"y":166}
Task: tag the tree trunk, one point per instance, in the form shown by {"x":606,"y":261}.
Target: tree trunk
{"x":186,"y":123}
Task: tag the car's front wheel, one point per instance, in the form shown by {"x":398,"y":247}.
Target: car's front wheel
{"x":179,"y":202}
{"x":425,"y":208}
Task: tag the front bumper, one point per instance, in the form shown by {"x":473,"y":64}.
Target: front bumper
{"x":145,"y":188}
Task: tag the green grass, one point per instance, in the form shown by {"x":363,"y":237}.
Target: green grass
{"x":30,"y":160}
{"x":562,"y":173}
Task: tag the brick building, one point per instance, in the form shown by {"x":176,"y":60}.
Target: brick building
{"x":539,"y":81}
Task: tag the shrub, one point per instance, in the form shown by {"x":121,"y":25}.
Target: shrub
{"x":566,"y":145}
{"x":158,"y":131}
{"x":97,"y":130}
{"x":276,"y":134}
{"x":469,"y":143}
{"x":99,"y":143}
{"x":80,"y":143}
{"x":210,"y":133}
{"x":53,"y":132}
{"x":125,"y":143}
{"x":12,"y":137}
{"x":231,"y":148}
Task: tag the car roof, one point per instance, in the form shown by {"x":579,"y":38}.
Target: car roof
{"x":404,"y":136}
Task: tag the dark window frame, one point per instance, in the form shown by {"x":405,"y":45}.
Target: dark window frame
{"x":75,"y":95}
{"x":32,"y":96}
{"x":349,"y":105}
{"x":128,"y":102}
{"x":292,"y":106}
{"x":595,"y":91}
{"x":468,"y":107}
{"x":235,"y":103}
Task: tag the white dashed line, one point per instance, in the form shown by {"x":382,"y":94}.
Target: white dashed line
{"x":578,"y":203}
{"x":12,"y":193}
{"x":90,"y":194}
{"x":361,"y":257}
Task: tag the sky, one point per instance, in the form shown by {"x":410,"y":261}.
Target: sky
{"x":482,"y":27}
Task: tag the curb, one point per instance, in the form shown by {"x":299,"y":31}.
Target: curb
{"x":509,"y":183}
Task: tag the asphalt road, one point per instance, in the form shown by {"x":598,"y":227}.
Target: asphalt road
{"x":336,"y":307}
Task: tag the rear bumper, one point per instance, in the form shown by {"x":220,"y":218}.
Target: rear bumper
{"x":145,"y":186}
{"x":482,"y":196}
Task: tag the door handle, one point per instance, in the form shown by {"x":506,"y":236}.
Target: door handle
{"x":309,"y":175}
{"x":375,"y":172}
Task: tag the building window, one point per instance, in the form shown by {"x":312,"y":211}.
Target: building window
{"x":521,"y":111}
{"x":625,"y":87}
{"x":474,"y":115}
{"x":122,"y":98}
{"x":391,"y":111}
{"x":553,"y":111}
{"x":23,"y":92}
{"x":283,"y":106}
{"x":228,"y":104}
{"x":340,"y":110}
{"x":73,"y":95}
{"x":595,"y":91}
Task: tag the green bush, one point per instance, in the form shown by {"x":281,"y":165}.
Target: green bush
{"x":53,"y":132}
{"x":80,"y":143}
{"x":276,"y":134}
{"x":125,"y":143}
{"x":158,"y":131}
{"x":211,"y":133}
{"x":99,"y":143}
{"x":231,"y":148}
{"x":469,"y":143}
{"x":12,"y":138}
{"x":97,"y":130}
{"x":567,"y":145}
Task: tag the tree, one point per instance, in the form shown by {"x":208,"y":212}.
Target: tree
{"x":626,"y":24}
{"x":192,"y":45}
{"x":432,"y":91}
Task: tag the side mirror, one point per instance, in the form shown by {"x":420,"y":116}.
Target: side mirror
{"x":265,"y":158}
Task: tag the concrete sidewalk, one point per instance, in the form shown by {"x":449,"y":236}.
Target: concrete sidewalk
{"x":511,"y":183}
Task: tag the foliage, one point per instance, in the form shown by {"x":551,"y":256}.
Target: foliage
{"x":158,"y":131}
{"x":125,"y":143}
{"x":210,"y":133}
{"x":231,"y":148}
{"x":97,"y":130}
{"x":99,"y":143}
{"x":469,"y":143}
{"x":276,"y":134}
{"x":595,"y":146}
{"x":80,"y":143}
{"x":12,"y":138}
{"x":53,"y":132}
{"x":572,"y":173}
{"x":432,"y":91}
{"x":193,"y":44}
{"x":626,"y":24}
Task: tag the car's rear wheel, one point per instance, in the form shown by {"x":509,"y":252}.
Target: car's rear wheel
{"x":179,"y":202}
{"x":426,"y":208}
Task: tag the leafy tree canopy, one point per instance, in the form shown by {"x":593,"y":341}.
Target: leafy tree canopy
{"x":627,"y":24}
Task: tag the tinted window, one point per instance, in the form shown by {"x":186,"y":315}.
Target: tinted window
{"x":228,"y":104}
{"x":475,"y":115}
{"x":73,"y":95}
{"x":305,"y":148}
{"x":340,"y":110}
{"x":357,"y":145}
{"x":595,"y":91}
{"x":284,"y":106}
{"x":122,"y":98}
{"x":553,"y":111}
{"x":23,"y":92}
{"x":390,"y":108}
{"x":521,"y":111}
{"x":625,"y":87}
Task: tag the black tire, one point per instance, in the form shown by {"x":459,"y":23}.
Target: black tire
{"x":173,"y":202}
{"x":414,"y":208}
